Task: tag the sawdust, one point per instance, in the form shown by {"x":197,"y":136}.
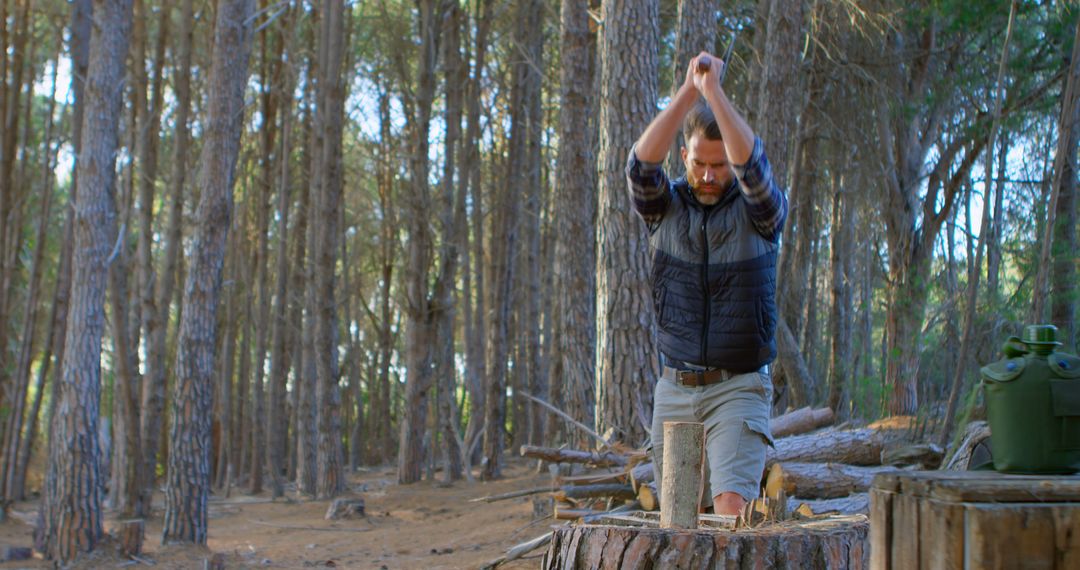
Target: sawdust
{"x":420,"y":526}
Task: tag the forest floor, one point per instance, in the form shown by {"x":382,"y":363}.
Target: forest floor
{"x":421,"y":526}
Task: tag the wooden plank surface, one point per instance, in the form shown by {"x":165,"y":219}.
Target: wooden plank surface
{"x":1019,"y":535}
{"x":881,"y":519}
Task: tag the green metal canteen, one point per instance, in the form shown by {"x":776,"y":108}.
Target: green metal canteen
{"x":1033,"y":403}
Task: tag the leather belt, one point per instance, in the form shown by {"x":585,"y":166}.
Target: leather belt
{"x":695,"y":378}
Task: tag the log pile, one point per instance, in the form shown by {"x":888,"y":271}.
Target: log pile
{"x":827,"y":469}
{"x":815,"y":476}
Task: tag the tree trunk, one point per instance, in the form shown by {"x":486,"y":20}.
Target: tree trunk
{"x":330,"y":455}
{"x":1063,"y":264}
{"x":189,"y":463}
{"x":13,"y":476}
{"x":419,"y":329}
{"x":959,"y":379}
{"x":277,"y":426}
{"x":626,"y":366}
{"x":153,"y":392}
{"x":575,"y":235}
{"x":72,"y":503}
{"x":531,"y":276}
{"x":695,"y":33}
{"x":840,"y":321}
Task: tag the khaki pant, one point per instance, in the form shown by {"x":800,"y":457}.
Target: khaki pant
{"x":736,"y":417}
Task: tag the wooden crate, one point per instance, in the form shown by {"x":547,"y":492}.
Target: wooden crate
{"x":936,"y":520}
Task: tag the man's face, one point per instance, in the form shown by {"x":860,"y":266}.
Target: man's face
{"x":707,"y":168}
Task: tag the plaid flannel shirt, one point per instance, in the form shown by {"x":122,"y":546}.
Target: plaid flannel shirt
{"x":650,"y":191}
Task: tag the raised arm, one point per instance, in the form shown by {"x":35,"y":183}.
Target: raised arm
{"x":768,"y":205}
{"x":656,"y":141}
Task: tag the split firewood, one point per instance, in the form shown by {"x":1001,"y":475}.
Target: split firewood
{"x":853,"y":447}
{"x":819,"y":480}
{"x":613,"y":490}
{"x":800,"y":421}
{"x":596,"y":459}
{"x":857,"y":504}
{"x":648,"y":496}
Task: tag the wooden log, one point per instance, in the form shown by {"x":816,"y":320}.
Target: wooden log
{"x":853,"y":447}
{"x":975,"y":433}
{"x":570,"y":513}
{"x":641,"y":473}
{"x":681,"y":484}
{"x":828,"y":543}
{"x":614,"y":490}
{"x":800,"y":421}
{"x":928,"y":455}
{"x":605,"y":459}
{"x":857,"y":504}
{"x":819,"y":480}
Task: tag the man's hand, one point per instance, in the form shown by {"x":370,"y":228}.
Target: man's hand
{"x":706,"y":70}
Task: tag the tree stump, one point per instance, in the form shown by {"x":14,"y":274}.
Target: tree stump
{"x":826,"y":543}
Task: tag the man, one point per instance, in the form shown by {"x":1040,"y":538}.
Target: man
{"x":715,"y":239}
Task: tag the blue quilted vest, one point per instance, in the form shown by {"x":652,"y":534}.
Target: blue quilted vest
{"x":713,"y":283}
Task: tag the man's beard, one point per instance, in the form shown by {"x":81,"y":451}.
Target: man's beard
{"x":707,"y":193}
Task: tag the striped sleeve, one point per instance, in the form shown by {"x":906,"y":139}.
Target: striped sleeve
{"x":768,"y":205}
{"x":650,"y":191}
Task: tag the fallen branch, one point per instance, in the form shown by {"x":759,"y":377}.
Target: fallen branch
{"x":519,"y":551}
{"x":567,"y":417}
{"x":512,"y":495}
{"x":292,"y":527}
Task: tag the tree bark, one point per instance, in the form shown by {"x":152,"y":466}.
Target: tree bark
{"x":14,"y":476}
{"x":833,"y":543}
{"x":1063,"y":264}
{"x":854,"y":447}
{"x":626,"y":366}
{"x":72,"y":503}
{"x":189,"y":463}
{"x":819,"y":480}
{"x":695,"y":32}
{"x":277,"y":425}
{"x":153,"y":392}
{"x":332,"y":87}
{"x":575,"y":235}
{"x":419,"y":329}
{"x":841,"y":281}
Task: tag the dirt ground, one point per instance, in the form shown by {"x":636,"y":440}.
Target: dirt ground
{"x":421,"y":526}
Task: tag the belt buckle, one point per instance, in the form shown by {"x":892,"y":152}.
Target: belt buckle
{"x":692,"y":378}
